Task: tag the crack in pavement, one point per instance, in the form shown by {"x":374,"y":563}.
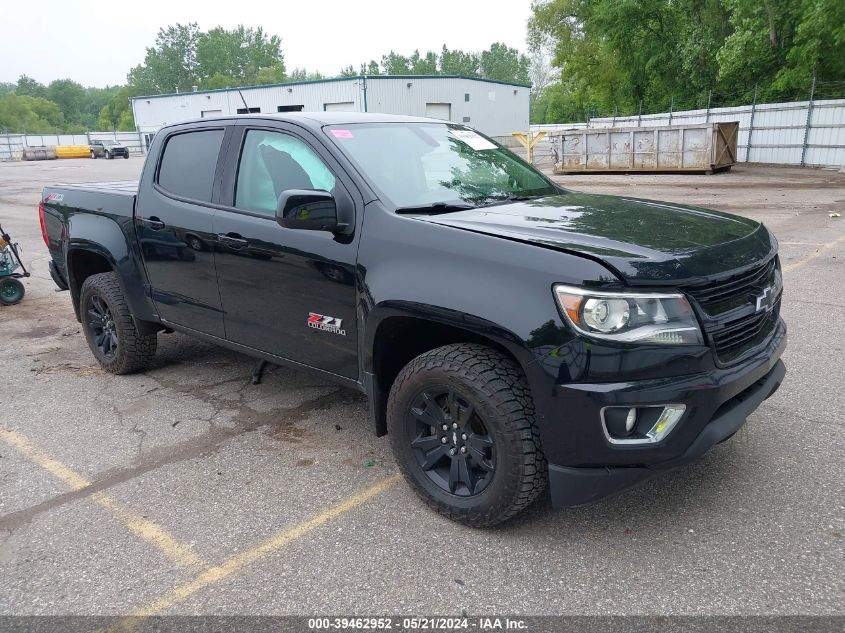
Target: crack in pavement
{"x":200,"y":446}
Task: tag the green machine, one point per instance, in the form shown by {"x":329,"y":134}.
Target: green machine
{"x":11,"y":288}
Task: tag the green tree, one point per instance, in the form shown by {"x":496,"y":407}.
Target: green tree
{"x":6,"y":87}
{"x":458,"y":62}
{"x":69,"y":96}
{"x":300,"y":74}
{"x":27,"y":86}
{"x":117,"y":113}
{"x":818,"y":45}
{"x":248,"y":55}
{"x":504,"y":64}
{"x":395,"y":64}
{"x":216,"y":81}
{"x":422,"y":65}
{"x":23,"y":113}
{"x":170,"y":65}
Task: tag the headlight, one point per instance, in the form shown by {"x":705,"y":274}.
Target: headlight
{"x":630,"y":317}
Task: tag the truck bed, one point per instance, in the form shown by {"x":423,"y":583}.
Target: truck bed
{"x":113,"y":198}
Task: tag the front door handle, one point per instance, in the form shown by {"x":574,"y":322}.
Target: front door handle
{"x":232,"y":240}
{"x":153,"y":222}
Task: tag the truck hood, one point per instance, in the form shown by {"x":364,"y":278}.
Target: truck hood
{"x":643,"y":241}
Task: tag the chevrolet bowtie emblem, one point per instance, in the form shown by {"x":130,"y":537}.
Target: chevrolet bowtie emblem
{"x":765,"y":301}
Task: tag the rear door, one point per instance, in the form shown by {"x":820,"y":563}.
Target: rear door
{"x":287,"y":292}
{"x":173,"y":223}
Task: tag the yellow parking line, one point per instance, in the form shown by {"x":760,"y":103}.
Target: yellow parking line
{"x":143,"y":528}
{"x":818,"y":253}
{"x":238,"y":562}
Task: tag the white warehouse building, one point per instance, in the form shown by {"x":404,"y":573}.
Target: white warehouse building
{"x":493,"y":107}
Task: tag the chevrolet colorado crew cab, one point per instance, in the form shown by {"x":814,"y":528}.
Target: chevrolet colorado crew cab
{"x":510,"y":334}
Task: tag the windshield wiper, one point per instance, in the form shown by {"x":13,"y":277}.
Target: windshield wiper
{"x":436,"y":207}
{"x":513,"y":198}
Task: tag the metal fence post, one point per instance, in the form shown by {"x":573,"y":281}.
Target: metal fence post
{"x":751,"y":124}
{"x":808,"y":122}
{"x":709,"y":98}
{"x":640,"y":115}
{"x":615,"y":111}
{"x":671,"y":107}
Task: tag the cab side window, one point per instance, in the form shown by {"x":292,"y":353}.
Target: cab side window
{"x":188,"y":164}
{"x":273,"y":162}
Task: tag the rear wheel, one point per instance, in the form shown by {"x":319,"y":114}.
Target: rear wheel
{"x":11,"y":291}
{"x":461,"y":425}
{"x":109,"y":328}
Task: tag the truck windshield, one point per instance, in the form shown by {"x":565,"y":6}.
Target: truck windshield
{"x":420,"y":164}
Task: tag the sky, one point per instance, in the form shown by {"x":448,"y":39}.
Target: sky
{"x":96,"y":43}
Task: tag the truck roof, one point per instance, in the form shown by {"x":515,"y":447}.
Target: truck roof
{"x":318,"y":119}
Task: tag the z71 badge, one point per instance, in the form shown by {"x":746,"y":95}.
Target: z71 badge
{"x":326,"y":323}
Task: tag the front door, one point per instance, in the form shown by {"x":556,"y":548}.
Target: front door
{"x":173,"y":223}
{"x":287,"y":292}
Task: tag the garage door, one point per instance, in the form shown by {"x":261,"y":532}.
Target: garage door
{"x":341,"y":106}
{"x":439,"y":111}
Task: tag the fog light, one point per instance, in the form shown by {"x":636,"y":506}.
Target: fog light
{"x":619,"y":421}
{"x":631,"y":420}
{"x":640,"y":425}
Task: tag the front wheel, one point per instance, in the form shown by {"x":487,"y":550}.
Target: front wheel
{"x":109,"y":328}
{"x":126,"y":155}
{"x":11,"y":291}
{"x":93,"y":154}
{"x":461,"y":425}
{"x":108,"y":155}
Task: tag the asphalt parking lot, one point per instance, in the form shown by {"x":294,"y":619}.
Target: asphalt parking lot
{"x":186,"y":489}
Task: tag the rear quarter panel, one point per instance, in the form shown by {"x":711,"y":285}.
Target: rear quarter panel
{"x":99,"y":220}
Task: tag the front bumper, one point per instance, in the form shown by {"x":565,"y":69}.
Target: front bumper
{"x":718,"y":403}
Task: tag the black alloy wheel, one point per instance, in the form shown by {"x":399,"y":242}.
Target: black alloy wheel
{"x":102,"y":327}
{"x":451,"y":442}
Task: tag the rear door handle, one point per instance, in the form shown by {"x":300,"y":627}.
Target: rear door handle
{"x":232,"y":240}
{"x":153,"y":222}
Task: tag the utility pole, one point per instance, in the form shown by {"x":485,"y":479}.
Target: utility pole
{"x":808,"y":123}
{"x":751,"y":124}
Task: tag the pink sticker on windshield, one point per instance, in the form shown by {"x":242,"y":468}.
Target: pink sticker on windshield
{"x":342,"y":133}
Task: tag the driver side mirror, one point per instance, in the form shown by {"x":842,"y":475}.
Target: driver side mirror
{"x":308,"y":209}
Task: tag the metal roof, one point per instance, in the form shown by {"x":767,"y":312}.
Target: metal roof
{"x":332,"y":79}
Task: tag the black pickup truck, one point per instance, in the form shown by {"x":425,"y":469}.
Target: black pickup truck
{"x":509,"y":333}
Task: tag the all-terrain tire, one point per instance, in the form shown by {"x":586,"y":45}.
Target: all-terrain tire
{"x":134,"y":350}
{"x":496,"y":387}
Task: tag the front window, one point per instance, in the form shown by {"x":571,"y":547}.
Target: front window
{"x":418,"y":164}
{"x":273,"y":162}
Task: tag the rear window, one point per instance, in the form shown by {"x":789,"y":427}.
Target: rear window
{"x":189,"y":162}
